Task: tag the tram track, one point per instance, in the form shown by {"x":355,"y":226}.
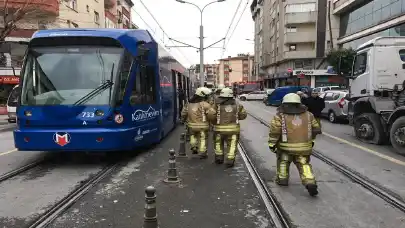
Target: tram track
{"x":273,"y":207}
{"x":18,"y":171}
{"x":385,"y":194}
{"x":62,"y":205}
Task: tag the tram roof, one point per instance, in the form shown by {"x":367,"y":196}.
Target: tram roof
{"x":124,"y":36}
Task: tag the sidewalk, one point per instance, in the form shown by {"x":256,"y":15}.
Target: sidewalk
{"x":208,"y":196}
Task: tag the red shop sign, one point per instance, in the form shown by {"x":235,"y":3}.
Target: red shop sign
{"x":9,"y":80}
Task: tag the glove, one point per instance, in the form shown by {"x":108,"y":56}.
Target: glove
{"x":313,"y":144}
{"x":272,"y":149}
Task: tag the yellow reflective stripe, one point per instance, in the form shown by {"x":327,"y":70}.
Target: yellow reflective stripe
{"x":198,"y":125}
{"x":296,"y":146}
{"x":226,"y":128}
{"x":272,"y":144}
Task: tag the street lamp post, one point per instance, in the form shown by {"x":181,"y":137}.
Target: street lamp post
{"x":202,"y":78}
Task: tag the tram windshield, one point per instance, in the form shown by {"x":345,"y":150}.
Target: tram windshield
{"x":65,"y":75}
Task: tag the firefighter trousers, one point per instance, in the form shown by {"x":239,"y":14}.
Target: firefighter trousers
{"x":231,"y":144}
{"x":303,"y":165}
{"x":198,"y":141}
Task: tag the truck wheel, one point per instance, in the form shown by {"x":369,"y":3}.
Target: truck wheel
{"x":368,"y":129}
{"x":397,"y":135}
{"x":332,"y":117}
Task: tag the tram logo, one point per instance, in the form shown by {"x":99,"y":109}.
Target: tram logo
{"x":141,"y":115}
{"x":61,"y":139}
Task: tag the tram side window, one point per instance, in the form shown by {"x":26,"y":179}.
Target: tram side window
{"x":143,"y":90}
{"x":125,"y":72}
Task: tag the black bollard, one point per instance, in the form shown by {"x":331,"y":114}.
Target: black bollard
{"x":150,"y":216}
{"x":172,"y":172}
{"x":182,"y":148}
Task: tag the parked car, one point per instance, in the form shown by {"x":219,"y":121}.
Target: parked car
{"x":336,"y":105}
{"x":12,"y":103}
{"x":255,"y":95}
{"x":268,"y":92}
{"x":322,"y":89}
{"x":277,"y":95}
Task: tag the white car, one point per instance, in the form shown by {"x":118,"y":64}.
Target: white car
{"x":12,"y":102}
{"x":255,"y":95}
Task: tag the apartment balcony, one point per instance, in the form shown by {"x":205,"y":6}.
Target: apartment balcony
{"x":299,"y":54}
{"x":300,"y":18}
{"x":299,"y":37}
{"x":36,"y":7}
{"x":108,"y":4}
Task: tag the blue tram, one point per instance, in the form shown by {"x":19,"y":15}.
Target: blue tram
{"x":97,"y":90}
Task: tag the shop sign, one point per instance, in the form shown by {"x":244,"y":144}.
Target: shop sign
{"x":9,"y":80}
{"x":312,"y":72}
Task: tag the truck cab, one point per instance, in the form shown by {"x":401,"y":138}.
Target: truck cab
{"x":378,"y":75}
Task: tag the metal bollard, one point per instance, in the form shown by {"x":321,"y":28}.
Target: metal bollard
{"x":182,"y":148}
{"x":172,"y":172}
{"x":150,"y":216}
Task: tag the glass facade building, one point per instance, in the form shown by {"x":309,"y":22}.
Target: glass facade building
{"x":369,"y":14}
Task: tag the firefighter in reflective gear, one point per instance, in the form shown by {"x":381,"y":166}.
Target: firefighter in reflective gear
{"x":216,"y":100}
{"x":195,"y":114}
{"x":292,"y":133}
{"x":218,"y":90}
{"x":226,"y":126}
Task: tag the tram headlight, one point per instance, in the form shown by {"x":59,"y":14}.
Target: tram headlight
{"x":99,"y":113}
{"x":27,"y":113}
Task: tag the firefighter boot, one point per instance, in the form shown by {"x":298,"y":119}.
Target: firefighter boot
{"x":282,"y":182}
{"x":230,"y":163}
{"x":203,"y":155}
{"x":312,"y":189}
{"x":194,"y":150}
{"x":219,"y":159}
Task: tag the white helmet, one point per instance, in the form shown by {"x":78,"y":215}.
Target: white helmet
{"x":292,"y":98}
{"x":203,"y":91}
{"x":221,"y":86}
{"x":226,"y":92}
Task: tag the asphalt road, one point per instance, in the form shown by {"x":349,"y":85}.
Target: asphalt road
{"x":341,"y":202}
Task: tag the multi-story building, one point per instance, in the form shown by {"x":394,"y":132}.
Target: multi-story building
{"x":118,"y":13}
{"x":361,"y":21}
{"x":292,"y":37}
{"x":235,"y":69}
{"x":211,"y":72}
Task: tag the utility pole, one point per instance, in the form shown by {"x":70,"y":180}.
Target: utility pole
{"x":201,"y":49}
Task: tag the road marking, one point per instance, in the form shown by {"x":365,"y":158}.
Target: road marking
{"x":386,"y":157}
{"x":8,"y":152}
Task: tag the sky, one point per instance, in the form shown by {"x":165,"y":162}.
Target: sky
{"x":182,"y":22}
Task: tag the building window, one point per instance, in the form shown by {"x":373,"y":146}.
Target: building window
{"x":300,"y":8}
{"x":291,"y":29}
{"x":292,"y":47}
{"x":96,"y":17}
{"x":73,"y":4}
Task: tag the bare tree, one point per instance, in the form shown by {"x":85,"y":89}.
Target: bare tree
{"x":12,"y":16}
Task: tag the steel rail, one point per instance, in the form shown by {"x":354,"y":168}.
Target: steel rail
{"x":278,"y":215}
{"x":57,"y":209}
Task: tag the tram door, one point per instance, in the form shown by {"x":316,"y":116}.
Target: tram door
{"x":174,"y":99}
{"x":180,"y":92}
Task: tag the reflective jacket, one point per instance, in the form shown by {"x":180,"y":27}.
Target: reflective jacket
{"x":196,"y":115}
{"x":227,"y":115}
{"x":293,"y":131}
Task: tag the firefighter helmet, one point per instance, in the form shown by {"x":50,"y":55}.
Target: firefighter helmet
{"x":221,"y":86}
{"x":292,"y":98}
{"x":226,"y":92}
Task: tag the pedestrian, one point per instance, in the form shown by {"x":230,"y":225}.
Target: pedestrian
{"x":315,"y":104}
{"x":292,"y":133}
{"x":195,"y":113}
{"x":226,"y":115}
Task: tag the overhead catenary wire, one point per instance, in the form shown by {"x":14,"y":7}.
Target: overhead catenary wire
{"x":230,"y":25}
{"x":233,"y":31}
{"x":161,"y":27}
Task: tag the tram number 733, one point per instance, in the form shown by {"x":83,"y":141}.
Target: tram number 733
{"x":88,"y":114}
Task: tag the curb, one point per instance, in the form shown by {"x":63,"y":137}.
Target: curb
{"x":11,"y":127}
